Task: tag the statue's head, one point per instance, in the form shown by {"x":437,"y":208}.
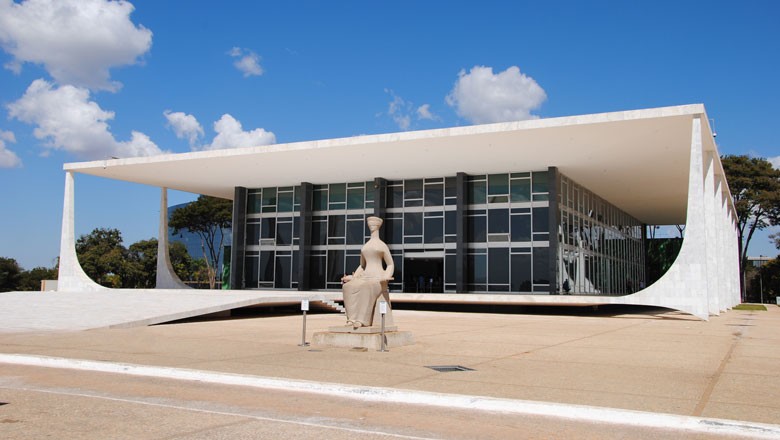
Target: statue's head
{"x":374,"y":223}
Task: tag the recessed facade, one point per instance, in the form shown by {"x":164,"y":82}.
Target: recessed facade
{"x":549,"y":211}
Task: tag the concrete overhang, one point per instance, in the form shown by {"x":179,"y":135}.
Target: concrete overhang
{"x":637,"y":160}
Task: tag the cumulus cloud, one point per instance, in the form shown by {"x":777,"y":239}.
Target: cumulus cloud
{"x":230,"y":134}
{"x":775,"y":161}
{"x":8,"y":159}
{"x":480,"y":96}
{"x":77,"y":41}
{"x":247,"y":61}
{"x":185,"y":126}
{"x":66,"y":119}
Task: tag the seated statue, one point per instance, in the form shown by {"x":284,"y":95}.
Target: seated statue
{"x":369,"y":281}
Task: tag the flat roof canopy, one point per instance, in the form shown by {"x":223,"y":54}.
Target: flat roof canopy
{"x":637,"y":160}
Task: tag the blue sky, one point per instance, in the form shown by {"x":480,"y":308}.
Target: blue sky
{"x":182,"y":75}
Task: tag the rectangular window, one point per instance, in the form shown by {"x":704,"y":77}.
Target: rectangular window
{"x":498,"y":221}
{"x":413,"y":189}
{"x":355,"y":232}
{"x":498,"y":184}
{"x":355,"y":198}
{"x":521,"y":227}
{"x":336,"y":226}
{"x":413,"y":223}
{"x":268,"y":228}
{"x":540,"y":181}
{"x":498,"y":265}
{"x":283,"y":234}
{"x":283,"y":267}
{"x":541,"y":265}
{"x":477,"y":229}
{"x":335,"y":265}
{"x":477,"y":192}
{"x":541,"y":220}
{"x":266,"y":272}
{"x":521,"y":190}
{"x":521,"y":272}
{"x":434,"y":228}
{"x":434,"y":195}
{"x":285,"y":202}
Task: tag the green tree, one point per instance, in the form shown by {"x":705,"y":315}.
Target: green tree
{"x":141,"y":265}
{"x":10,"y":274}
{"x":755,"y":189}
{"x":103,"y":257}
{"x":31,"y":279}
{"x":210,"y":218}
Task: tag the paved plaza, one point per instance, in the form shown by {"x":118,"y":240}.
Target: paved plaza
{"x":558,"y":375}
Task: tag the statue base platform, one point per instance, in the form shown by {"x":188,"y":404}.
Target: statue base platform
{"x":372,"y":341}
{"x":361,"y":330}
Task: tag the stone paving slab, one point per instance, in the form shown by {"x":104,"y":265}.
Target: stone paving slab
{"x":643,"y":359}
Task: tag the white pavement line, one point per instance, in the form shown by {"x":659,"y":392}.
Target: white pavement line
{"x":391,"y":395}
{"x":142,"y":401}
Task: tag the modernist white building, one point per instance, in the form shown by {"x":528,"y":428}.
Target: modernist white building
{"x":546,"y":211}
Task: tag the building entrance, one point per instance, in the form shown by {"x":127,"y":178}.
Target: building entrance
{"x":423,"y":275}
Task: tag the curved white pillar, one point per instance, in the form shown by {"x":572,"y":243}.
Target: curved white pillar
{"x":71,"y":275}
{"x":166,"y":276}
{"x":689,"y":285}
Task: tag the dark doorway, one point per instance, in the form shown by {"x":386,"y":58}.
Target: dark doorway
{"x":424,"y":275}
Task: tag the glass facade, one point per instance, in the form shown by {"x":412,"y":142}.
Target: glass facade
{"x":600,"y":247}
{"x":506,"y":246}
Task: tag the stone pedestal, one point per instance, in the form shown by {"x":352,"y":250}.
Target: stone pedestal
{"x":369,"y":337}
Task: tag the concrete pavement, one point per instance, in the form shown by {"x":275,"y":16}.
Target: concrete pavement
{"x":637,"y":359}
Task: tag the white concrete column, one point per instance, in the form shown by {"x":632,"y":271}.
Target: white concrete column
{"x":166,"y":276}
{"x":710,"y":256}
{"x":72,"y":277}
{"x":684,"y":286}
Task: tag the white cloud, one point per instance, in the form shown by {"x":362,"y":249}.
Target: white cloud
{"x":483,"y":97}
{"x":230,"y":134}
{"x":424,"y":112}
{"x":775,"y":161}
{"x":185,"y":126}
{"x":248,"y":62}
{"x":67,"y":120}
{"x":8,"y":159}
{"x":77,"y":41}
{"x":402,"y":111}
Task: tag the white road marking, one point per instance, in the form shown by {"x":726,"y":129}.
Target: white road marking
{"x":391,"y":395}
{"x":246,"y":414}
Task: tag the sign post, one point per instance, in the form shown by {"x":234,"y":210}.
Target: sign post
{"x":304,"y":308}
{"x":383,"y":312}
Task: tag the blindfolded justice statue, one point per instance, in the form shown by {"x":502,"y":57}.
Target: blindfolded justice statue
{"x":368,"y":284}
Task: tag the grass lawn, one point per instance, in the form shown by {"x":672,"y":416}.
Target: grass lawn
{"x":750,"y":307}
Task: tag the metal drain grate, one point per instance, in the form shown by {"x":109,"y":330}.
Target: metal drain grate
{"x":448,"y":368}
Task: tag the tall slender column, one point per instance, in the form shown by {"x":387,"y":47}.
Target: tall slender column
{"x":238,"y":245}
{"x":304,"y":236}
{"x":554,"y":188}
{"x":71,"y":276}
{"x":461,"y":233}
{"x":166,"y":277}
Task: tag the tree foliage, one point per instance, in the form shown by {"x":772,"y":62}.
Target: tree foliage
{"x":103,"y":257}
{"x":10,"y":274}
{"x":210,"y":218}
{"x":755,"y":189}
{"x":14,"y":278}
{"x":110,"y":264}
{"x":31,"y":279}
